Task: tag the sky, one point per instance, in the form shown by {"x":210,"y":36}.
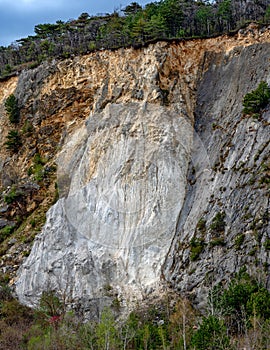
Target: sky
{"x":19,"y":17}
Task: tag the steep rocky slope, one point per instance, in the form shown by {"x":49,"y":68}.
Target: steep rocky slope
{"x":224,"y":223}
{"x":148,"y":143}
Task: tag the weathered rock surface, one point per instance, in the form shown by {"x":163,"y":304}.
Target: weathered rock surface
{"x":229,"y":174}
{"x":120,"y":126}
{"x":123,"y":177}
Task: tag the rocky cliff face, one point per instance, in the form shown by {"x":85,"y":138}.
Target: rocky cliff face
{"x":122,"y":179}
{"x":154,"y":157}
{"x":224,"y":223}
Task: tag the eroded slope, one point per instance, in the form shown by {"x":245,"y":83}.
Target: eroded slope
{"x":119,"y":125}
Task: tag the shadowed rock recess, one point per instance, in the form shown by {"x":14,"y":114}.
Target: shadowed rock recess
{"x":154,"y":157}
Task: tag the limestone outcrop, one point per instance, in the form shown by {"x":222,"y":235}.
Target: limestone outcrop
{"x":122,"y":178}
{"x":226,"y":210}
{"x":154,"y":157}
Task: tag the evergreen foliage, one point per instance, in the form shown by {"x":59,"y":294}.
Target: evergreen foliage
{"x":12,"y":109}
{"x":212,"y":334}
{"x":131,"y":26}
{"x":243,"y":299}
{"x":13,"y":195}
{"x":218,"y":223}
{"x":196,"y":248}
{"x":256,"y":100}
{"x":37,"y":169}
{"x":235,"y":307}
{"x":5,"y":232}
{"x":14,"y":141}
{"x":239,"y":314}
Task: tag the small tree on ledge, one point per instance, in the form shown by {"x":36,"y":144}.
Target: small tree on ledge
{"x":12,"y":109}
{"x":255,"y":101}
{"x":14,"y":141}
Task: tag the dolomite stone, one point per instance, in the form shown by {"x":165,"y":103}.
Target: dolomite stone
{"x":225,"y":175}
{"x":122,"y":179}
{"x":134,"y":178}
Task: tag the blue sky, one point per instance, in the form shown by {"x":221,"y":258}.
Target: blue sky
{"x":19,"y":17}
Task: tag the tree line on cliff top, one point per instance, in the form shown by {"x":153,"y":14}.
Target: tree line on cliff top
{"x":132,"y":25}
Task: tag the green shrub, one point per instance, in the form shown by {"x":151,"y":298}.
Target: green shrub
{"x":39,"y":160}
{"x":5,"y":293}
{"x":235,"y":298}
{"x":33,"y":223}
{"x":218,"y":223}
{"x":240,"y":301}
{"x":267,"y":14}
{"x":56,"y":193}
{"x":212,"y":334}
{"x":259,"y":303}
{"x":106,"y":332}
{"x":50,"y":305}
{"x":201,"y":225}
{"x":37,"y":169}
{"x":14,"y":141}
{"x":38,"y":172}
{"x":92,"y":46}
{"x":6,"y":232}
{"x":15,"y":319}
{"x":12,"y":109}
{"x":116,"y":305}
{"x":267,"y":244}
{"x":257,"y":99}
{"x":27,"y":127}
{"x":219,"y":241}
{"x":13,"y":311}
{"x":7,"y":70}
{"x":13,"y":195}
{"x":108,"y":289}
{"x":196,"y":247}
{"x":239,"y":240}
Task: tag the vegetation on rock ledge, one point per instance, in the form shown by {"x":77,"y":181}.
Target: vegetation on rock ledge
{"x":12,"y":109}
{"x":255,"y":101}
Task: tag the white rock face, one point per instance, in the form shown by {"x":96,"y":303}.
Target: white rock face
{"x":226,"y":176}
{"x":122,"y":179}
{"x":123,"y":175}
